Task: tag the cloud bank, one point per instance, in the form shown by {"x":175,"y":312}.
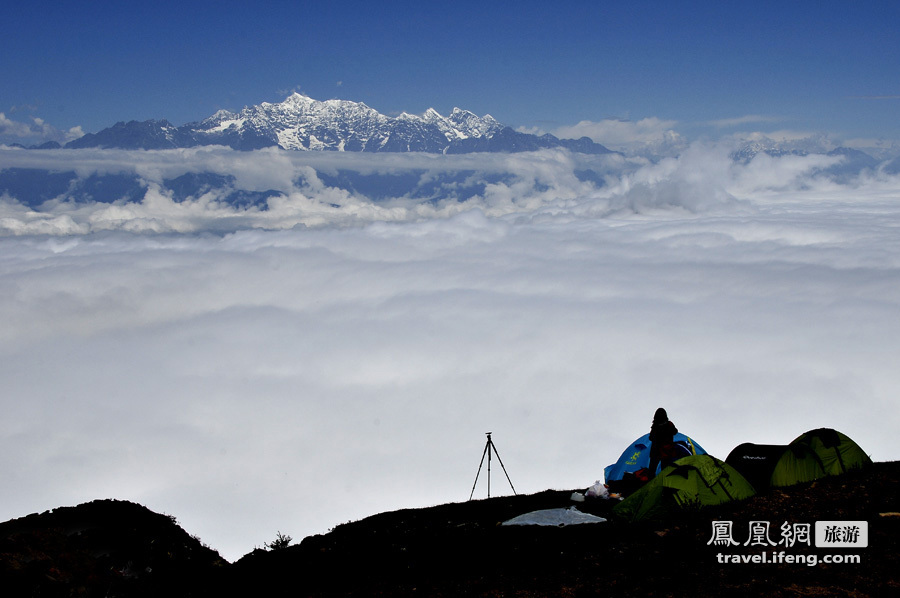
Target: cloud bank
{"x":325,"y":355}
{"x":305,"y":189}
{"x":645,"y":137}
{"x":68,"y":192}
{"x":37,"y":131}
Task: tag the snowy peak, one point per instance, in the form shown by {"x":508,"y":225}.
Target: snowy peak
{"x":462,"y":124}
{"x":300,"y":107}
{"x":801,"y":146}
{"x":472,"y":125}
{"x":431,"y":115}
{"x":305,"y":124}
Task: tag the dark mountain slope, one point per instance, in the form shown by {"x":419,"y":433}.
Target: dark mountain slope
{"x":150,"y":134}
{"x":462,"y":549}
{"x":102,"y":548}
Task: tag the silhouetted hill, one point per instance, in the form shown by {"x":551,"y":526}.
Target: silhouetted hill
{"x":461,"y":549}
{"x":103,"y":548}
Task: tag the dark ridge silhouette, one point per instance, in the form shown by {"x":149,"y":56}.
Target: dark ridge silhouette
{"x":113,"y":548}
{"x":103,"y":548}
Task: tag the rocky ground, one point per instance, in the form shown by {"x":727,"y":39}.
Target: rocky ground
{"x":111,"y":548}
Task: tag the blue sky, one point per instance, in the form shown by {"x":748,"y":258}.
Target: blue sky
{"x":802,"y":66}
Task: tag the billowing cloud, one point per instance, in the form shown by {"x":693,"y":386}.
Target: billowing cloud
{"x":354,"y":189}
{"x":13,"y":128}
{"x":37,"y":131}
{"x":648,"y":135}
{"x":499,"y":184}
{"x":255,"y":376}
{"x":784,"y":136}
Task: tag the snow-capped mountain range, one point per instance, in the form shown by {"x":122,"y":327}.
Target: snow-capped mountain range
{"x":301,"y":123}
{"x":304,"y":124}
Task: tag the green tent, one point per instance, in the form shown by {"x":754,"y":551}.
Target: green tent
{"x":691,"y":482}
{"x":797,"y":464}
{"x":836,"y":452}
{"x":811,"y":456}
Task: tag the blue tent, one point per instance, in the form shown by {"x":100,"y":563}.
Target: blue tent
{"x":637,"y":456}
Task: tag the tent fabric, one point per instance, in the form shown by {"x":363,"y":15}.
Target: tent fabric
{"x":836,"y":451}
{"x":756,"y":462}
{"x":767,"y":465}
{"x":691,"y":482}
{"x":811,"y":456}
{"x":798,"y":464}
{"x":555,"y":518}
{"x":637,"y":456}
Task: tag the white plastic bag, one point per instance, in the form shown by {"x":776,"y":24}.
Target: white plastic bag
{"x":598,"y":490}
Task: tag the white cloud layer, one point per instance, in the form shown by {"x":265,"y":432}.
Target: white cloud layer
{"x":508,"y":183}
{"x":646,"y":136}
{"x":273,"y":377}
{"x":38,"y":131}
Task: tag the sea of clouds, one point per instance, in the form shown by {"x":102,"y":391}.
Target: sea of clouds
{"x":327,"y":355}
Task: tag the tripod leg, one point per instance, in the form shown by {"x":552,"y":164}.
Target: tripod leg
{"x":504,"y":468}
{"x":489,"y":465}
{"x":479,"y":470}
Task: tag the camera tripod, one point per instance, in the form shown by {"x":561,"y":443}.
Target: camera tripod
{"x":488,"y":449}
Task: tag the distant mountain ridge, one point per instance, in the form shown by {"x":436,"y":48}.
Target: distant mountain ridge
{"x":851,"y":162}
{"x":304,"y":124}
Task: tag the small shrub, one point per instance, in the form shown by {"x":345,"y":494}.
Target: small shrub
{"x":280,"y":541}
